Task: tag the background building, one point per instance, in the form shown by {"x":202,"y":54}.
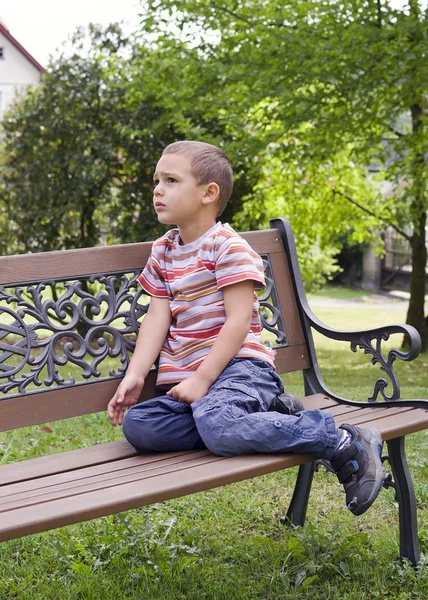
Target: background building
{"x":18,"y":68}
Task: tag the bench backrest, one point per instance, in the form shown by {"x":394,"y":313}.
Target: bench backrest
{"x":68,"y":322}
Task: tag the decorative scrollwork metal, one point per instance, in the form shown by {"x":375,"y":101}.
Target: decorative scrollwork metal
{"x":270,"y":313}
{"x":386,"y":365}
{"x":58,"y":333}
{"x":51,"y":324}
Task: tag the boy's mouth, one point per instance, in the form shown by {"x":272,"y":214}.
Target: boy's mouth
{"x":159,"y":205}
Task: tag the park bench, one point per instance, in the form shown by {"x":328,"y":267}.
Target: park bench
{"x":67,"y":325}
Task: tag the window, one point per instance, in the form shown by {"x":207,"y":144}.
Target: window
{"x":1,"y":53}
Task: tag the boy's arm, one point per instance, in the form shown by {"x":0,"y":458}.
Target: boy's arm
{"x":151,"y":336}
{"x":238,"y":304}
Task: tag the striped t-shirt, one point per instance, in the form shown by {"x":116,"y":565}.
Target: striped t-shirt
{"x":192,"y":277}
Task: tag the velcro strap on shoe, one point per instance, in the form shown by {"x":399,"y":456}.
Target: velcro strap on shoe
{"x":347,"y":470}
{"x":345,"y":455}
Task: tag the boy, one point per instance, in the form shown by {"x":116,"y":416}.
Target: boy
{"x":219,"y":381}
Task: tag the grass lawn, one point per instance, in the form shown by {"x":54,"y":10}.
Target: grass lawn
{"x":228,"y":543}
{"x":339,"y":292}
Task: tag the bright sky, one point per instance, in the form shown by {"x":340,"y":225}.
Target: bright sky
{"x":42,"y":25}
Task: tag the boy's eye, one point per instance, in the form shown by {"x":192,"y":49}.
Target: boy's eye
{"x":171,"y":180}
{"x":155,"y":182}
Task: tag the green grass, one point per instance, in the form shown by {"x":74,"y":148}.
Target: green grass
{"x":339,"y":292}
{"x":228,"y":543}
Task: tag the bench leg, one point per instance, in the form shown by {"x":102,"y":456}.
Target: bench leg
{"x":409,"y":543}
{"x":299,"y":502}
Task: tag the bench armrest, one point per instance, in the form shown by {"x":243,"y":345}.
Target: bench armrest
{"x":364,"y":338}
{"x":370,"y":341}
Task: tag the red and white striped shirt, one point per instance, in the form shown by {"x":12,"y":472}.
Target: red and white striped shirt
{"x":192,"y":277}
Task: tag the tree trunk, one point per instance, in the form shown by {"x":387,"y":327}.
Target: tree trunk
{"x":88,"y":229}
{"x":415,"y":313}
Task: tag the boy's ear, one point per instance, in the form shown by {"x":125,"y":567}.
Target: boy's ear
{"x":212,"y":192}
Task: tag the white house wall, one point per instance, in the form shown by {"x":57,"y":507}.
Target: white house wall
{"x":16,"y":72}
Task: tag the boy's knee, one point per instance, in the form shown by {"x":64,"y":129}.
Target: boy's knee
{"x":138,"y":429}
{"x":222,"y":445}
{"x":217,"y":441}
{"x":213,"y":420}
{"x":156,"y":428}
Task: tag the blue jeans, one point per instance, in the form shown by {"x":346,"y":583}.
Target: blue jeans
{"x":231,"y":419}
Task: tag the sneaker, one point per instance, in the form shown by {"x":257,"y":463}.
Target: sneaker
{"x":286,"y":404}
{"x":359,"y":469}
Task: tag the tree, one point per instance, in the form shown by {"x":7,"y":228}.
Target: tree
{"x":80,"y":150}
{"x":65,"y":162}
{"x":319,"y":82}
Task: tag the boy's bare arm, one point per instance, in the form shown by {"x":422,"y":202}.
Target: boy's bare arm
{"x":238,"y":304}
{"x":151,"y":336}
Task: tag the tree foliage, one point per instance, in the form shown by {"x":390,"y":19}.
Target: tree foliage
{"x":80,"y":150}
{"x":321,"y":85}
{"x":62,"y":146}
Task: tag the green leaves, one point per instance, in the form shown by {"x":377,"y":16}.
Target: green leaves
{"x":78,"y":147}
{"x":312,"y":86}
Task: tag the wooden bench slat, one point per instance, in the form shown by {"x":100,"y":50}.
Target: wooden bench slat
{"x":23,"y":268}
{"x":147,"y":461}
{"x":64,"y":461}
{"x":88,"y":480}
{"x":142,"y":463}
{"x":63,"y":403}
{"x":373,"y":414}
{"x":57,"y":513}
{"x":147,"y":483}
{"x":318,"y":401}
{"x":344,"y":410}
{"x":289,"y":359}
{"x":391,"y":425}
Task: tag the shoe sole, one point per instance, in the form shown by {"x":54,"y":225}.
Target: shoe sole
{"x":373,"y":436}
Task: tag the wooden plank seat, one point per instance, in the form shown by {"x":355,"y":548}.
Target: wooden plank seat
{"x":48,"y":492}
{"x":83,"y":308}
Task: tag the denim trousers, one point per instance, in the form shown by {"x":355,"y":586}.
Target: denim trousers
{"x":231,"y":419}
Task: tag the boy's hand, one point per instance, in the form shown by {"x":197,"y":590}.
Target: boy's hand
{"x":126,"y":395}
{"x":191,"y":389}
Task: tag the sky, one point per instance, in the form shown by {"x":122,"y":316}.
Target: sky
{"x":41,"y":26}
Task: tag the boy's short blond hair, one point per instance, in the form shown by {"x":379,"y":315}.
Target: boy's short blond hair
{"x":208,"y":164}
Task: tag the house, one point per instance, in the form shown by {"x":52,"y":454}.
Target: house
{"x":18,"y":68}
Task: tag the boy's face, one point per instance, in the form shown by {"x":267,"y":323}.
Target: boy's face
{"x":177,"y":197}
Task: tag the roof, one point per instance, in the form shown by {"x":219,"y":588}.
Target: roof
{"x":21,"y":49}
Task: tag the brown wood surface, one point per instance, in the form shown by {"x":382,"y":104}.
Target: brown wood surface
{"x":287,"y":302}
{"x":397,"y":423}
{"x":65,"y":461}
{"x":22,"y":268}
{"x":192,"y":477}
{"x":111,"y":479}
{"x":102,"y":477}
{"x":292,"y":358}
{"x":63,"y":403}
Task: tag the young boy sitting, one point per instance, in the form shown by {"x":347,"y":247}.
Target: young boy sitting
{"x":219,"y":381}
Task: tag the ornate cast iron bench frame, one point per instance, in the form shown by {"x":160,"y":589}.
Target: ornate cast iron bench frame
{"x":67,"y":325}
